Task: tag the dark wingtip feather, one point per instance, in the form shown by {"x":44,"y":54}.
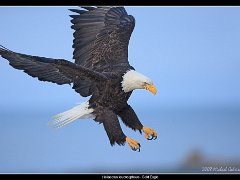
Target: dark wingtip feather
{"x":77,"y":11}
{"x":101,"y":6}
{"x":4,"y":49}
{"x":89,"y":8}
{"x":74,"y":16}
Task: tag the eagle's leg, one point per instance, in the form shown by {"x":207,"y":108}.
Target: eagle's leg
{"x":131,"y":120}
{"x":113,"y":129}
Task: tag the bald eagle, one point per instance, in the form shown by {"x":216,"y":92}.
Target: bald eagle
{"x":101,"y":70}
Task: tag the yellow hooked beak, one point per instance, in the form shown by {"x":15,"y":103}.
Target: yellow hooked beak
{"x":151,"y":88}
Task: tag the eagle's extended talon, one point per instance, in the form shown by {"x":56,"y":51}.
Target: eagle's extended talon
{"x":153,"y":137}
{"x":150,"y":134}
{"x":134,"y":145}
{"x":150,"y":138}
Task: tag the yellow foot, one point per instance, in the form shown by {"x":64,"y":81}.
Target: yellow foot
{"x":149,"y":133}
{"x":134,"y":145}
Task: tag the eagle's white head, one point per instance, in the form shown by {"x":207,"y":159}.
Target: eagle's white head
{"x":135,"y":80}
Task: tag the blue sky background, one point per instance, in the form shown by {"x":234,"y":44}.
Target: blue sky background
{"x":192,"y":55}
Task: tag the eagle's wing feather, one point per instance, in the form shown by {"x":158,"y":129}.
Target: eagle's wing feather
{"x":101,"y":36}
{"x":57,"y":71}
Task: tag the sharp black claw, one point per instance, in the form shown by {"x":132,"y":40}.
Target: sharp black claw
{"x":139,"y":145}
{"x":150,"y":138}
{"x":155,"y":137}
{"x":136,"y":149}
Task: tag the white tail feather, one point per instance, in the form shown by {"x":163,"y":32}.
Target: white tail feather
{"x":82,"y":111}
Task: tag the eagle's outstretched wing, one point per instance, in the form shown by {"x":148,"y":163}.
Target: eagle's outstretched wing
{"x":101,"y":36}
{"x":57,"y":71}
{"x":101,"y":40}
